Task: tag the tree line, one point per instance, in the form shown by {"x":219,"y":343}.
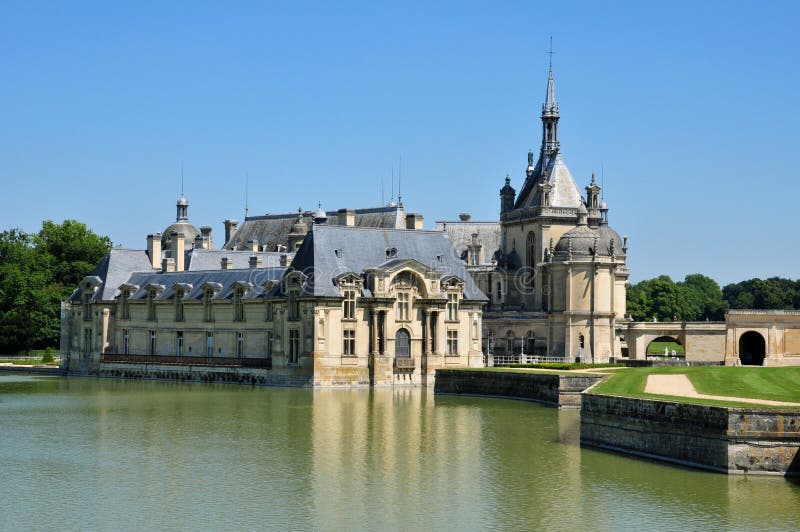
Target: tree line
{"x":700,"y":298}
{"x":37,"y":272}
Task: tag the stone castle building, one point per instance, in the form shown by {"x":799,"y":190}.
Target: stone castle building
{"x":553,"y":269}
{"x":355,"y":297}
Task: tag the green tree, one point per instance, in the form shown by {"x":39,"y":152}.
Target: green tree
{"x":705,"y":295}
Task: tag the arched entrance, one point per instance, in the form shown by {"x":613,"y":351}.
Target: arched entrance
{"x":752,"y":349}
{"x":402,"y":344}
{"x":664,"y":346}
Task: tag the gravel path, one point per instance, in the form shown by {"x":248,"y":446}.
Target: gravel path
{"x":681,"y":386}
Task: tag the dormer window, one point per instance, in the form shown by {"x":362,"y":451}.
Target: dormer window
{"x":238,"y":304}
{"x":87,"y":301}
{"x":338,"y":253}
{"x":391,"y":253}
{"x":124,"y":307}
{"x":208,"y":295}
{"x":179,"y":305}
{"x":349,"y":304}
{"x":151,"y":305}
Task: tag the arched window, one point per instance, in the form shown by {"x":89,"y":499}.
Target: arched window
{"x":238,"y":304}
{"x":510,"y":342}
{"x":530,"y":249}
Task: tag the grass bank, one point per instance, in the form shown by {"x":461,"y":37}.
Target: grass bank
{"x":774,"y":384}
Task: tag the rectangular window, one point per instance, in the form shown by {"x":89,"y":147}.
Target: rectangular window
{"x":87,"y":313}
{"x":125,"y":311}
{"x":238,"y":306}
{"x":87,"y":342}
{"x":403,"y":304}
{"x":179,"y":343}
{"x":452,"y":343}
{"x":270,"y":310}
{"x":151,"y":307}
{"x":349,"y":343}
{"x":126,"y":342}
{"x":294,"y":306}
{"x":270,"y":340}
{"x":452,"y":307}
{"x":294,"y":346}
{"x":349,"y":304}
{"x":179,"y":307}
{"x":240,"y":344}
{"x":209,"y":344}
{"x":207,"y":309}
{"x":152,"y":349}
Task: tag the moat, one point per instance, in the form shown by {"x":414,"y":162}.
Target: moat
{"x":84,"y":453}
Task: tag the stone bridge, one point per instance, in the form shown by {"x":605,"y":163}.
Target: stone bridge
{"x":702,"y":340}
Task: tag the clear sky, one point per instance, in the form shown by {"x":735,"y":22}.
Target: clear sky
{"x":690,"y":109}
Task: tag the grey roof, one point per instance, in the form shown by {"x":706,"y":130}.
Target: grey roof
{"x":226,"y":278}
{"x":460,"y":234}
{"x":361,"y":249}
{"x":564,"y":193}
{"x":272,"y":230}
{"x":582,"y":240}
{"x":206,"y":259}
{"x":114,"y":269}
{"x":189,"y":233}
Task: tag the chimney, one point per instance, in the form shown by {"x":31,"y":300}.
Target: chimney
{"x":226,"y":263}
{"x":199,"y":242}
{"x":464,"y":216}
{"x":346,"y":217}
{"x":414,"y":220}
{"x":168,"y":265}
{"x":177,"y":249}
{"x":205,"y":230}
{"x":154,"y":250}
{"x":256,"y":262}
{"x":284,"y":259}
{"x":230,"y":229}
{"x":253,"y":245}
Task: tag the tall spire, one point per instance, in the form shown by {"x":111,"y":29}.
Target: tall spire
{"x":550,"y":112}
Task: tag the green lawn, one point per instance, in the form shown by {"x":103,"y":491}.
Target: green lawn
{"x":776,"y":384}
{"x":27,"y":362}
{"x":657,"y":348}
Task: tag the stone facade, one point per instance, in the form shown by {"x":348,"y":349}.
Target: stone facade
{"x":762,"y":337}
{"x":356,"y":306}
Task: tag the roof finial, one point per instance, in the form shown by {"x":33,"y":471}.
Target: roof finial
{"x":550,"y":53}
{"x":181,"y":177}
{"x":246,"y":190}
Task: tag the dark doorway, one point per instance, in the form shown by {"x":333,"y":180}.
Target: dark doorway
{"x":402,"y":344}
{"x":752,"y":349}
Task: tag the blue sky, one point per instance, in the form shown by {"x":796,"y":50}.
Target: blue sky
{"x":690,"y":109}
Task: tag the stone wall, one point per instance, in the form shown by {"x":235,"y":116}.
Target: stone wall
{"x":218,"y":374}
{"x":553,"y":389}
{"x":730,"y":440}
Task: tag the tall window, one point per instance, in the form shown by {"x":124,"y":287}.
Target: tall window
{"x":452,"y":343}
{"x":126,"y":342}
{"x":151,"y":306}
{"x":294,"y":306}
{"x":209,"y":344}
{"x":270,"y":310}
{"x":452,"y":307}
{"x":87,"y":313}
{"x":270,"y":341}
{"x":238,"y":305}
{"x":294,"y":346}
{"x":152,"y":343}
{"x":349,"y":347}
{"x":179,"y":306}
{"x":125,"y":311}
{"x":403,"y":306}
{"x":179,"y":343}
{"x":530,"y":342}
{"x":87,"y":342}
{"x":349,"y":304}
{"x":510,"y":343}
{"x":207,"y":308}
{"x":240,"y":344}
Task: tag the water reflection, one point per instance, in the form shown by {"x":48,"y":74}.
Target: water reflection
{"x":144,"y":455}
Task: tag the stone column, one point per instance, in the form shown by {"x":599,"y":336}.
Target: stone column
{"x":385,"y":334}
{"x":441,"y":334}
{"x":427,"y":316}
{"x":374,"y":332}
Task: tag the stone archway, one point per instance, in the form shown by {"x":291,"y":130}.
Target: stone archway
{"x":752,"y":349}
{"x":672,"y":342}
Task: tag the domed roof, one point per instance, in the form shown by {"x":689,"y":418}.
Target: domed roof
{"x":189,"y":233}
{"x":182,"y":200}
{"x":583,"y":240}
{"x":320,"y":216}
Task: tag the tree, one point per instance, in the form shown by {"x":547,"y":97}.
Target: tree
{"x":706,"y":295}
{"x":37,"y":272}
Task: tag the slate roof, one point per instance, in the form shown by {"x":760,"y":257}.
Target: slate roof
{"x":206,"y":259}
{"x":460,"y":234}
{"x":256,"y":276}
{"x":330,"y":250}
{"x":114,"y":269}
{"x":273,"y":229}
{"x":565,"y":192}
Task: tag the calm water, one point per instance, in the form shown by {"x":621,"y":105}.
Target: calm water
{"x":106,"y":454}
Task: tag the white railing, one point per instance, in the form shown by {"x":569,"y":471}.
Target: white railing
{"x":505,"y":360}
